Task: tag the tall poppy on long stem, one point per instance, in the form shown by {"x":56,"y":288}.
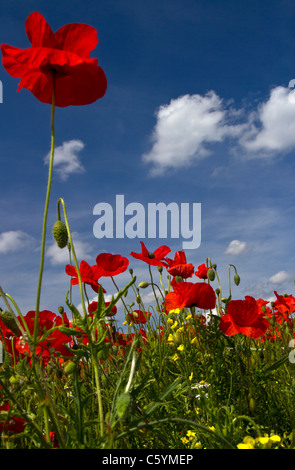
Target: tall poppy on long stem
{"x":58,"y":70}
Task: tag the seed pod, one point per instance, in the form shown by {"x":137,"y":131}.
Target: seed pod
{"x":123,"y":404}
{"x":60,"y":234}
{"x":9,"y":321}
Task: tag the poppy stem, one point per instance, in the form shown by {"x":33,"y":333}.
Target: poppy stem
{"x":74,"y":256}
{"x":45,"y":215}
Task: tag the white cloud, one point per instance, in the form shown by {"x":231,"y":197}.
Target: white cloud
{"x":61,"y":256}
{"x":15,"y":240}
{"x":279,"y":277}
{"x":237,"y":248}
{"x":66,"y":160}
{"x":271,"y":127}
{"x":185,"y":127}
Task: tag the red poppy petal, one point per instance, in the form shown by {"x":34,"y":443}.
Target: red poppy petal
{"x":39,"y":32}
{"x":85,"y":85}
{"x":78,"y":38}
{"x":144,"y":249}
{"x":162,"y":251}
{"x":71,"y":270}
{"x":10,"y":60}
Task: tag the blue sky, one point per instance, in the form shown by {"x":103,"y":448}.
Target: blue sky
{"x":198,"y":110}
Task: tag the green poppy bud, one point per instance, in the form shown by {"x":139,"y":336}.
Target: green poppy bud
{"x":211,"y":274}
{"x":177,"y":338}
{"x":252,"y":404}
{"x":178,"y":279}
{"x":70,"y":367}
{"x":60,"y":234}
{"x":217,"y":291}
{"x":123,"y":404}
{"x":9,"y":321}
{"x":143,"y":285}
{"x":237,"y":279}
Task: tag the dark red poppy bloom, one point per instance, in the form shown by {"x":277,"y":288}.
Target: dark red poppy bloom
{"x":89,"y":275}
{"x":189,"y":294}
{"x":138,"y":316}
{"x":155,"y":258}
{"x":62,"y":58}
{"x":111,"y":265}
{"x":11,"y":424}
{"x":179,"y":266}
{"x":93,"y":307}
{"x":245,"y":317}
{"x":202,"y":271}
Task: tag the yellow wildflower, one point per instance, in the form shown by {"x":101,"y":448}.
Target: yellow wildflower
{"x":180,"y":348}
{"x":191,"y":376}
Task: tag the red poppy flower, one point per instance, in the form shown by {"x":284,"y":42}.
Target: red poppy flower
{"x":89,"y":275}
{"x":245,"y":317}
{"x":156,"y":258}
{"x":11,"y":423}
{"x":93,"y":306}
{"x":188,"y":294}
{"x":284,"y":304}
{"x":111,"y":265}
{"x":55,"y":342}
{"x":138,"y":316}
{"x":62,"y":57}
{"x":202,"y":271}
{"x":179,"y":266}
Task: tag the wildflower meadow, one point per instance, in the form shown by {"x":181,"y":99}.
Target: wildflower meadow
{"x":195,"y":369}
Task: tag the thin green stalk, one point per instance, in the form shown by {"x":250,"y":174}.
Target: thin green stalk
{"x":45,"y":216}
{"x":74,"y":254}
{"x":98,"y":390}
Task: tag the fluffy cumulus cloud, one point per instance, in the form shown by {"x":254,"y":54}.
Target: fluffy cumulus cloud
{"x":185,"y":128}
{"x":188,"y":127}
{"x":66,"y":158}
{"x":279,"y":278}
{"x":271,"y":127}
{"x":15,"y":240}
{"x":237,"y":248}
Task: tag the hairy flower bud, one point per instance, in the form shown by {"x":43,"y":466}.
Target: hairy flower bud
{"x":9,"y":321}
{"x":143,"y":285}
{"x":211,"y":274}
{"x":237,"y":279}
{"x":70,"y":367}
{"x":60,"y":234}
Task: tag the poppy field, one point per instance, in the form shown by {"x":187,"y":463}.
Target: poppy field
{"x":197,"y":368}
